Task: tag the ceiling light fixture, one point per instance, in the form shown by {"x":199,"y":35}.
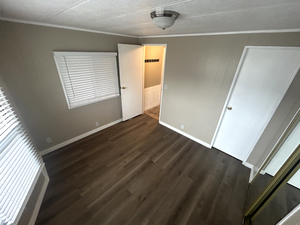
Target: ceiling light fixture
{"x":164,"y":19}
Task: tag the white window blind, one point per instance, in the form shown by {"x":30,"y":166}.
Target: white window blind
{"x":20,"y":165}
{"x":87,"y":77}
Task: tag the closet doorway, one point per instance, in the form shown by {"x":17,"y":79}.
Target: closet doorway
{"x":154,"y":64}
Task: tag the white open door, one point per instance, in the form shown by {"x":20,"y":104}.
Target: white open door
{"x":263,"y":77}
{"x":131,"y":79}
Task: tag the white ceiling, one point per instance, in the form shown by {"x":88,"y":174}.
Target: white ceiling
{"x":131,"y":17}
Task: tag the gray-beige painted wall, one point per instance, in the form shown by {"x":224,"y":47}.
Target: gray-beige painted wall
{"x":29,"y":72}
{"x":199,"y":72}
{"x":153,"y":69}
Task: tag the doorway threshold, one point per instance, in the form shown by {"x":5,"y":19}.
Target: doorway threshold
{"x":153,"y":112}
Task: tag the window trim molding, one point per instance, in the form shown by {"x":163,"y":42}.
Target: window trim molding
{"x":11,"y":147}
{"x":75,"y":53}
{"x":20,"y":213}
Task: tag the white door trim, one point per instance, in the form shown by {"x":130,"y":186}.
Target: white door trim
{"x":234,"y":82}
{"x":229,"y":94}
{"x":275,"y":148}
{"x":143,"y":80}
{"x":162,"y":77}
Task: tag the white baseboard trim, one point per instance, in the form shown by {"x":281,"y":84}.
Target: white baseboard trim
{"x":40,"y":198}
{"x":186,"y":135}
{"x":55,"y":147}
{"x":251,"y":167}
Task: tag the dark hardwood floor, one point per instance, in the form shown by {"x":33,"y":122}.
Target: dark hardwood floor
{"x":139,"y":172}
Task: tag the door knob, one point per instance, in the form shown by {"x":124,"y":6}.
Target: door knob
{"x":123,"y":87}
{"x":229,"y":108}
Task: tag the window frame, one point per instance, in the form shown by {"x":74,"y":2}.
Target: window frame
{"x":90,"y":101}
{"x":15,"y":140}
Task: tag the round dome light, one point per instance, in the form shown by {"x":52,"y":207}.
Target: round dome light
{"x":164,"y":19}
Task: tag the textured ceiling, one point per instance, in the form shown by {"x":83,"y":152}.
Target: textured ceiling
{"x":131,"y":17}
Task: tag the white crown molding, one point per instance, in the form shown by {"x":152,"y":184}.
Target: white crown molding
{"x":151,"y":36}
{"x":224,"y":33}
{"x":64,"y":27}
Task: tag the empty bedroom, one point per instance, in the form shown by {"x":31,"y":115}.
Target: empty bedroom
{"x":149,"y":112}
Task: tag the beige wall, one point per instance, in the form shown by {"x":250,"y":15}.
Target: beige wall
{"x":199,"y":72}
{"x":29,"y":72}
{"x":153,"y":69}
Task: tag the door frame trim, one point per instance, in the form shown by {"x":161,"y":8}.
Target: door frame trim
{"x":163,"y":70}
{"x":246,"y":48}
{"x":229,"y":94}
{"x":288,"y":130}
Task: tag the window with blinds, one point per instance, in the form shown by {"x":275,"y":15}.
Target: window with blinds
{"x":87,"y":77}
{"x":20,"y":165}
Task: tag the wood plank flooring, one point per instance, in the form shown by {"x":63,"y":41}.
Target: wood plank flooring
{"x":139,"y":172}
{"x":154,"y":112}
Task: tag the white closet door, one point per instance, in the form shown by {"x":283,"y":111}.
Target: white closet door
{"x":263,"y":77}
